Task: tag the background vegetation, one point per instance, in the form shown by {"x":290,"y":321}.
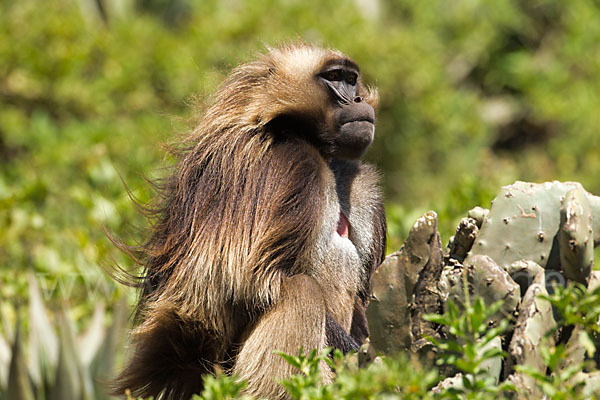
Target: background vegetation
{"x":474,"y":95}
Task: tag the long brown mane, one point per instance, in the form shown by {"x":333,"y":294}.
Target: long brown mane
{"x":230,"y":220}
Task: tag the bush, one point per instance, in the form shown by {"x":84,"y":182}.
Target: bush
{"x":474,"y":94}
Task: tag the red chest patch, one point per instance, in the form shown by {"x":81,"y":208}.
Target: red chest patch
{"x":343,"y":226}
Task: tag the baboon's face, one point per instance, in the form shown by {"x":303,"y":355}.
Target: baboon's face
{"x":322,"y":98}
{"x":353,"y":119}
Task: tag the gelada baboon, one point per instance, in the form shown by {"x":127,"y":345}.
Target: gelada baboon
{"x":267,"y":233}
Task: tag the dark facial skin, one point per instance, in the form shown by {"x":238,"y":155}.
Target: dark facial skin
{"x":353,"y":118}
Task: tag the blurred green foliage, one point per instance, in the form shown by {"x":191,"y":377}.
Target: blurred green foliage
{"x":474,"y":95}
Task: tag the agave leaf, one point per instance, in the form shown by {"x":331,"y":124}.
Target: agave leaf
{"x":43,"y":343}
{"x":4,"y":362}
{"x":7,"y":314}
{"x":102,"y":367}
{"x":68,"y":380}
{"x":91,"y":340}
{"x":90,"y":343}
{"x":19,"y":385}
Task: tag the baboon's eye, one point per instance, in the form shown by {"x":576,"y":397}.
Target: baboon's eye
{"x":341,"y":83}
{"x":351,"y":78}
{"x":333,"y":75}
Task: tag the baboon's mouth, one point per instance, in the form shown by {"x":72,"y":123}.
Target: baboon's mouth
{"x":362,"y":118}
{"x":343,"y":226}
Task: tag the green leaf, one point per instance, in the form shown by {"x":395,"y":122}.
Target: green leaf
{"x":93,"y":337}
{"x":222,"y":387}
{"x":68,"y":383}
{"x":5,"y":357}
{"x":294,"y":361}
{"x":588,"y":344}
{"x":19,"y":385}
{"x":102,"y":366}
{"x":43,"y":343}
{"x":437,"y":318}
{"x":533,"y":372}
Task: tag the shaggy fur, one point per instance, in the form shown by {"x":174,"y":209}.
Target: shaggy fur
{"x":241,"y":259}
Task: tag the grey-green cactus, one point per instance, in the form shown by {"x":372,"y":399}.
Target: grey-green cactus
{"x":534,"y":322}
{"x":575,"y":235}
{"x":484,"y":278}
{"x":524,"y":220}
{"x":462,"y":241}
{"x":533,"y":237}
{"x":389,"y":313}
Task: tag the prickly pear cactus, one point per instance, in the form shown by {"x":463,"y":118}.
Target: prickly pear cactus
{"x":533,"y":236}
{"x":396,"y":280}
{"x":525,"y":218}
